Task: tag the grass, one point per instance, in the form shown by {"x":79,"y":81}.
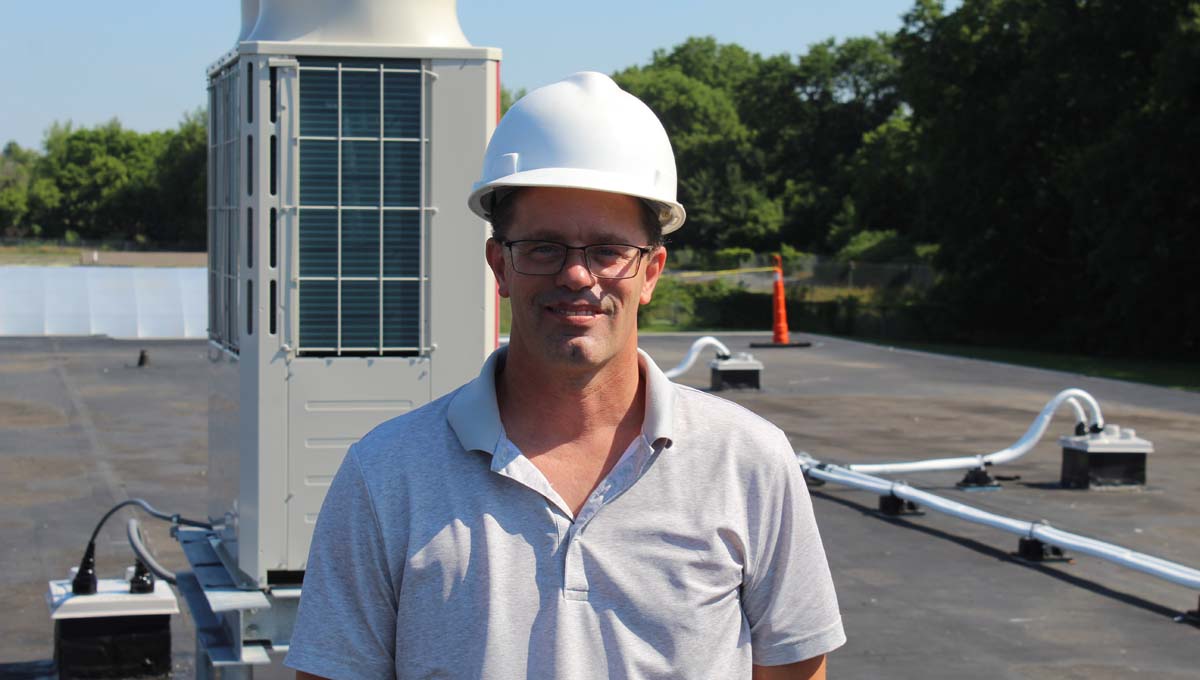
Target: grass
{"x":39,"y":254}
{"x":505,"y":316}
{"x":1177,"y":375}
{"x":834,"y":293}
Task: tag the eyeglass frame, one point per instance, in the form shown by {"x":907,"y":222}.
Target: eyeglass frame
{"x":642,"y":252}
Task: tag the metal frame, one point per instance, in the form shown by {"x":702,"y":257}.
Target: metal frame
{"x":224,"y":205}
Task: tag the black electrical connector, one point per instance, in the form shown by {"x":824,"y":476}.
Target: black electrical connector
{"x":143,"y":580}
{"x":893,"y":506}
{"x":1191,"y":616}
{"x":84,"y":582}
{"x":1033,"y":550}
{"x":977,"y":478}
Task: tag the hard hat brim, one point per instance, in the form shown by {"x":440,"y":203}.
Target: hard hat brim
{"x":672,"y":213}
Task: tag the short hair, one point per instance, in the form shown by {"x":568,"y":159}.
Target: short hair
{"x":504,"y":206}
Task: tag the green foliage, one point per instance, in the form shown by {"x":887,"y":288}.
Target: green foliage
{"x":179,"y":185}
{"x":104,"y":176}
{"x":759,"y":142}
{"x":109,"y":183}
{"x":876,"y":246}
{"x":16,"y":165}
{"x":927,"y":252}
{"x":672,"y":306}
{"x":1054,"y":145}
{"x":882,"y":182}
{"x":507,"y":97}
{"x":794,"y":259}
{"x":732,"y":258}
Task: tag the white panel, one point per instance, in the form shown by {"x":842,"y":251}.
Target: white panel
{"x":159,"y":308}
{"x":462,"y":289}
{"x":193,"y":293}
{"x":120,"y":302}
{"x":114,"y":302}
{"x":67,"y":301}
{"x":23,"y":297}
{"x":333,"y":403}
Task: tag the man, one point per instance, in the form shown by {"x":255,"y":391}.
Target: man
{"x":570,"y":513}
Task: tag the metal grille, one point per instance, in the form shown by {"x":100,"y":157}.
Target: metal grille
{"x":362,"y":215}
{"x":223,"y":218}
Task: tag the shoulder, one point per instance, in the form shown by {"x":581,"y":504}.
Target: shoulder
{"x":698,"y":411}
{"x":705,"y":421}
{"x":396,"y":440}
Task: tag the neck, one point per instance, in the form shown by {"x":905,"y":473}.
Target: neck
{"x":553,"y":405}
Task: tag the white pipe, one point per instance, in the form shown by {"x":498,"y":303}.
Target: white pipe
{"x":133,"y":531}
{"x":1080,"y":416}
{"x":694,"y":353}
{"x":1155,"y":566}
{"x":1022,"y":446}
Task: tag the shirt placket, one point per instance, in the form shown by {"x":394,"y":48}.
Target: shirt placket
{"x":618,"y":480}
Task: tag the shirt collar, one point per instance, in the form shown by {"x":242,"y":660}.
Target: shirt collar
{"x":475,"y":417}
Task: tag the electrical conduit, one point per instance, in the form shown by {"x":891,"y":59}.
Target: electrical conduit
{"x":694,"y":353}
{"x":1149,"y":564}
{"x":1022,"y":446}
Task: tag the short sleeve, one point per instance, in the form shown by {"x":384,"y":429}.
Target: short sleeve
{"x":346,"y":624}
{"x":788,"y":596}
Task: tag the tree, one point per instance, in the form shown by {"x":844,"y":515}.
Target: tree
{"x":507,"y":97}
{"x":883,"y":180}
{"x":845,"y":91}
{"x":179,"y":184}
{"x":1053,"y":141}
{"x":15,"y":173}
{"x":105,"y":179}
{"x":712,"y":152}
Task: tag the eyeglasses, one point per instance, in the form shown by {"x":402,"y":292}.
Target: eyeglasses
{"x":603,"y":260}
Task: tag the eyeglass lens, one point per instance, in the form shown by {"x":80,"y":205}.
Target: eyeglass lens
{"x":544,"y":258}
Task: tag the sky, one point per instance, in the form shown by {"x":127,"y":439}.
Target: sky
{"x":143,"y":61}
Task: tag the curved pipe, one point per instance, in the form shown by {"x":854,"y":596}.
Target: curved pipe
{"x":133,"y":530}
{"x":1022,"y":446}
{"x":1080,"y":416}
{"x":1149,"y":564}
{"x":694,"y":353}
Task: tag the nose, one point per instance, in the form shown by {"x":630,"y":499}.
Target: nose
{"x":575,"y":274}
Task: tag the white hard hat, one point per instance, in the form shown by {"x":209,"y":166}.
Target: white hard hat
{"x":582,"y":132}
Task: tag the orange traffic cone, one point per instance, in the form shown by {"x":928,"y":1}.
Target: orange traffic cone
{"x":779,"y":330}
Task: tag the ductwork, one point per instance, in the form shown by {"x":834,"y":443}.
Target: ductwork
{"x":409,"y":23}
{"x":249,"y":18}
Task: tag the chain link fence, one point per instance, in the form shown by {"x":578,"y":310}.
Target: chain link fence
{"x":756,"y":274}
{"x":823,"y":294}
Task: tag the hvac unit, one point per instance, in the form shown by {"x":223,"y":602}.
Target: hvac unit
{"x":347,"y":283}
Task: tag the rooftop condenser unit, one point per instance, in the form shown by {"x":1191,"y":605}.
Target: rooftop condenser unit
{"x":347,"y":283}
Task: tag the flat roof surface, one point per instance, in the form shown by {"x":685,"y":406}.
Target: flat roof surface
{"x":924,"y":596}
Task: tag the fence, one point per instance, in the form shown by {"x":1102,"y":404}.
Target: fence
{"x":755,"y":274}
{"x":824,"y":295}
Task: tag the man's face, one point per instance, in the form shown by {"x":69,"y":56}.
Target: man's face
{"x":574,"y":317}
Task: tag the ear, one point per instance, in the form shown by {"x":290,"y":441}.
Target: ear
{"x":494,"y":253}
{"x":656,"y":261}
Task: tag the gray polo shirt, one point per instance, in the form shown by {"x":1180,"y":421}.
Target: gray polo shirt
{"x":442,"y":552}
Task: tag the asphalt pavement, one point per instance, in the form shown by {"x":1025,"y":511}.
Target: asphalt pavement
{"x":922,"y":596}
